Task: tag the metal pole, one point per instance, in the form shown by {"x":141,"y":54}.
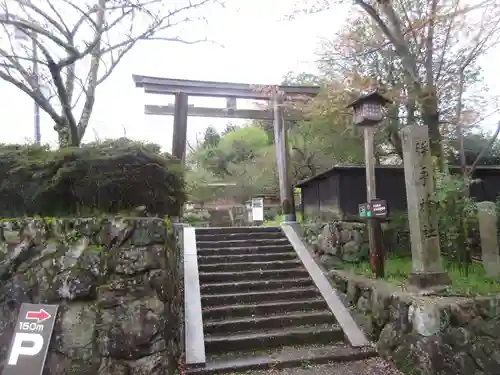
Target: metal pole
{"x":374,"y":228}
{"x":36,"y":107}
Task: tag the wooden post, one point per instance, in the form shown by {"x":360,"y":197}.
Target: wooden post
{"x":180,"y":126}
{"x":427,"y":267}
{"x":179,"y":139}
{"x":231,"y":103}
{"x":374,"y":227}
{"x":282,"y":160}
{"x":369,"y":134}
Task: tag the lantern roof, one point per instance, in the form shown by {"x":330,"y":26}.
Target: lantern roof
{"x":373,"y":96}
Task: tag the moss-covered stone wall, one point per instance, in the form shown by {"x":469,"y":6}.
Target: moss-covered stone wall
{"x":425,"y":335}
{"x":117,"y":282}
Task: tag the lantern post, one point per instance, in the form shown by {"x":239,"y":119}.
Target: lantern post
{"x":368,"y":113}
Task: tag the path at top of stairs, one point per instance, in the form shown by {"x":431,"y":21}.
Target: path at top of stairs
{"x":260,"y":306}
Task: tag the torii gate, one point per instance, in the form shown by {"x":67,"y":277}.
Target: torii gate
{"x":182,"y":89}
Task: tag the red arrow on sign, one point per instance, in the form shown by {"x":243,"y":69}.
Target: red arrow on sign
{"x":40,"y":316}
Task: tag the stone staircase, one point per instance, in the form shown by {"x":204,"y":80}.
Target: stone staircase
{"x":260,"y":306}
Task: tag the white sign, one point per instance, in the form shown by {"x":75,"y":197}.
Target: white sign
{"x":258,"y":209}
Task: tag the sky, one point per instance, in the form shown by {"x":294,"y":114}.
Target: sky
{"x":258,"y":48}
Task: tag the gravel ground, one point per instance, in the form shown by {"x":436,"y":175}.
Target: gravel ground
{"x":372,"y":366}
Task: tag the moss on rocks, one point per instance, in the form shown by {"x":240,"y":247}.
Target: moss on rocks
{"x":117,"y":284}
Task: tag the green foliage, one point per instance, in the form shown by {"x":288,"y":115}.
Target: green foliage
{"x":246,"y":155}
{"x":241,"y":156}
{"x":457,"y":214}
{"x":104,"y":177}
{"x":278,"y":219}
{"x":195,"y":218}
{"x":211,"y":137}
{"x":243,"y":144}
{"x":302,"y":79}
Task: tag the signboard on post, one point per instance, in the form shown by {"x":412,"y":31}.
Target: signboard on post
{"x":376,"y":209}
{"x":258,"y":209}
{"x":31,"y":339}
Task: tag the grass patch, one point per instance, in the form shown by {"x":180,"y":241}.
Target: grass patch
{"x":397,"y":270}
{"x":279,"y":219}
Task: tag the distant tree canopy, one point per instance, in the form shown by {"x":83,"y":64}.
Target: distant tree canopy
{"x":108,"y":177}
{"x":246,"y":155}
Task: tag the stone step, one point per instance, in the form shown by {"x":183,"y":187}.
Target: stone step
{"x":238,"y":236}
{"x":234,"y":250}
{"x":235,"y":258}
{"x":249,"y":286}
{"x":250,"y":266}
{"x":258,"y":297}
{"x":261,"y":309}
{"x":224,"y":230}
{"x":218,"y":277}
{"x":281,"y":358}
{"x":241,"y":243}
{"x":268,"y":322}
{"x":317,"y":334}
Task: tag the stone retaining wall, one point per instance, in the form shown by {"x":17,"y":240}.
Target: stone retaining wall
{"x":425,"y":335}
{"x":118,"y":286}
{"x":337,"y":241}
{"x":347,"y":241}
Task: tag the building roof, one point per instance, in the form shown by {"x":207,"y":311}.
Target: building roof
{"x":357,"y":167}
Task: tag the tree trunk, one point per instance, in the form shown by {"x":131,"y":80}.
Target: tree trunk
{"x":430,"y":118}
{"x":67,"y":136}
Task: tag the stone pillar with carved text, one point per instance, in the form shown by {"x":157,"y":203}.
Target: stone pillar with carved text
{"x":427,"y":265}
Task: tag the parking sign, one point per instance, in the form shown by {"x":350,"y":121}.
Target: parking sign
{"x":31,"y":339}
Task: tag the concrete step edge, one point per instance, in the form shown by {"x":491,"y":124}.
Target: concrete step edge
{"x":262,"y":292}
{"x":243,"y":250}
{"x":294,"y":315}
{"x":273,"y":333}
{"x":265,"y":304}
{"x":251,"y":255}
{"x":256,"y":263}
{"x":256,"y":282}
{"x":250,"y":272}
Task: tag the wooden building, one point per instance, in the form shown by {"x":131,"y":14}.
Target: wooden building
{"x":336,"y":193}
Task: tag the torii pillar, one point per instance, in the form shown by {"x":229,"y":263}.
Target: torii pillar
{"x":179,"y":137}
{"x":283,"y":160}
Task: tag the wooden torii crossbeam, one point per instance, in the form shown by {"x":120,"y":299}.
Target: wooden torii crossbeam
{"x":182,"y":89}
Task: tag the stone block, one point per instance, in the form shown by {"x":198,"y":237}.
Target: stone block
{"x":488,"y":231}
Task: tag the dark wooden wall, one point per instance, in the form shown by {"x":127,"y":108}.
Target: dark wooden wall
{"x":390,"y":186}
{"x":337,"y":193}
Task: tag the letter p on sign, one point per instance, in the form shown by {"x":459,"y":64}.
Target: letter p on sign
{"x":25,"y":344}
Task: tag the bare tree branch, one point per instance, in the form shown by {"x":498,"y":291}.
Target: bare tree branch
{"x":485,"y":150}
{"x":80,"y":46}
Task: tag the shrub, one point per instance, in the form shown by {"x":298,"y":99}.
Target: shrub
{"x":107,"y":177}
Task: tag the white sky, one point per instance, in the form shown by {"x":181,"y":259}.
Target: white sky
{"x":258,"y":48}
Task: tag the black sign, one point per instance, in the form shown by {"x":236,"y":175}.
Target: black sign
{"x":31,"y":339}
{"x":377,"y":209}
